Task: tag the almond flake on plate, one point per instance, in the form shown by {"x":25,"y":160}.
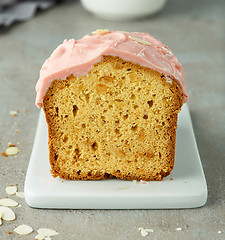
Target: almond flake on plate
{"x":140,"y":40}
{"x":23,"y":229}
{"x":20,"y":194}
{"x":7,"y":202}
{"x":11,"y":190}
{"x":12,"y":151}
{"x":47,"y":232}
{"x":7,"y":214}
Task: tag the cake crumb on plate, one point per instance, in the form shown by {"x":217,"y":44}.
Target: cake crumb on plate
{"x":14,"y":113}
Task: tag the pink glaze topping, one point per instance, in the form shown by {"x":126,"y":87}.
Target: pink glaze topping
{"x":78,"y":57}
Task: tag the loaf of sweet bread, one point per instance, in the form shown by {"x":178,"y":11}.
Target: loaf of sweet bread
{"x":111,"y":102}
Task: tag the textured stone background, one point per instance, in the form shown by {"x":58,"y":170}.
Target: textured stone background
{"x":195,"y":32}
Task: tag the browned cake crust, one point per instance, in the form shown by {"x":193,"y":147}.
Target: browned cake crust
{"x":118,"y":121}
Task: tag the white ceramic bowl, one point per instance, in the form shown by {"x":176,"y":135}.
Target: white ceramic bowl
{"x":123,"y":9}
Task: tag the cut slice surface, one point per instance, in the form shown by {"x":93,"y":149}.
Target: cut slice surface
{"x":120,"y":120}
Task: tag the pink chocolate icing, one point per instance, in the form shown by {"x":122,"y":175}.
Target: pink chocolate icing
{"x":78,"y":57}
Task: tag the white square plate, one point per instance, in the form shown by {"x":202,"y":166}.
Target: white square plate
{"x":188,"y":188}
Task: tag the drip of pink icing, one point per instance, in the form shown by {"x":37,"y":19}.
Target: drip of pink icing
{"x":78,"y":57}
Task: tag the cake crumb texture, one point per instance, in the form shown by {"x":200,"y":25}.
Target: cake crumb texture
{"x":118,"y":121}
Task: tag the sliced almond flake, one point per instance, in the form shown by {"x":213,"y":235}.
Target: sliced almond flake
{"x":7,"y":202}
{"x":140,"y":40}
{"x":39,"y":237}
{"x":12,"y":151}
{"x":100,"y":31}
{"x":11,"y":190}
{"x":7,"y":214}
{"x":47,"y":232}
{"x":20,"y":194}
{"x":23,"y":229}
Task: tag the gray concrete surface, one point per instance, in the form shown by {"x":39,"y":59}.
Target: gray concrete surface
{"x":195,"y":31}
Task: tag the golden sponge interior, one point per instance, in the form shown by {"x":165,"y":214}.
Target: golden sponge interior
{"x":120,"y":120}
